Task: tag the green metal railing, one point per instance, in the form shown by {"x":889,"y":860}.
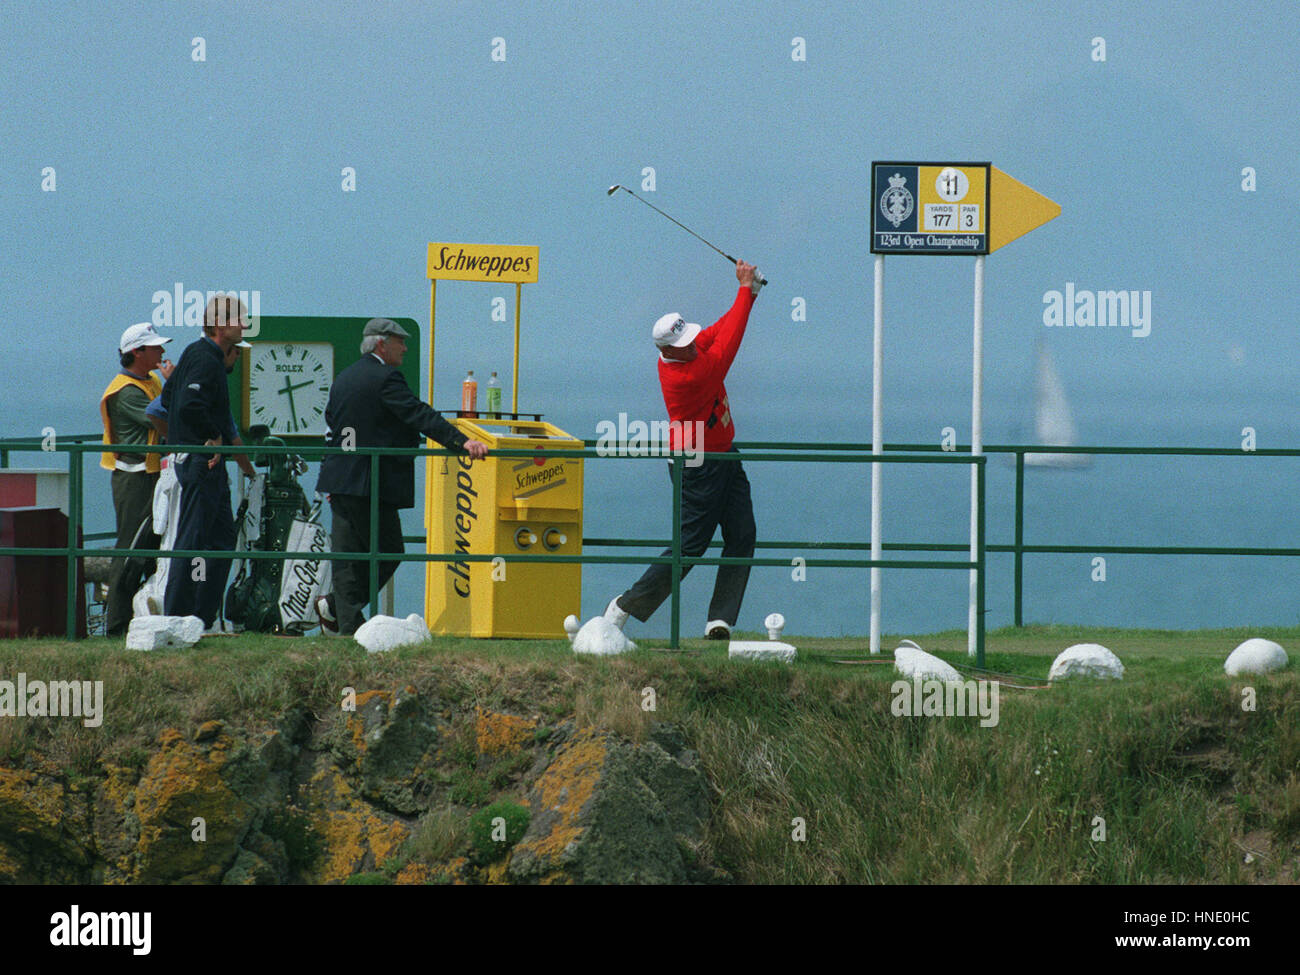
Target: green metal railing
{"x":824,"y":452}
{"x":763,"y":451}
{"x":76,"y":447}
{"x":1018,"y":549}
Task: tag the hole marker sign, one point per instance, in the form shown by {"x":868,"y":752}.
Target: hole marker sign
{"x":929,"y":208}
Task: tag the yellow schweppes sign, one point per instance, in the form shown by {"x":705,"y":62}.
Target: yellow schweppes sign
{"x":482,"y":262}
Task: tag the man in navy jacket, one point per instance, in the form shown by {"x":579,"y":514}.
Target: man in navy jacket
{"x":371,"y":405}
{"x":197,"y":401}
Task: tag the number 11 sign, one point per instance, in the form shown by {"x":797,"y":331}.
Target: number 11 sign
{"x":930,"y":208}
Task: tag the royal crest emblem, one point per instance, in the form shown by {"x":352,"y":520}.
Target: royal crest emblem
{"x":896,"y":203}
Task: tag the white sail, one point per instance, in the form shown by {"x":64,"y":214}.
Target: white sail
{"x":1053,"y":424}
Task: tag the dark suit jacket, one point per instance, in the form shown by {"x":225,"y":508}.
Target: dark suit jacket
{"x":373,"y":399}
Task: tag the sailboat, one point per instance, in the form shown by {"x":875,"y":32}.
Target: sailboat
{"x":1053,"y":424}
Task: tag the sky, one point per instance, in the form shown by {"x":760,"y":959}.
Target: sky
{"x":505,"y":123}
{"x":226,"y":173}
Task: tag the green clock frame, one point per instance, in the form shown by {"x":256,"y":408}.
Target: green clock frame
{"x":344,"y":334}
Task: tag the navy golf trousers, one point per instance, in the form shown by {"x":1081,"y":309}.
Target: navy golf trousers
{"x":196,"y":588}
{"x":715,"y":493}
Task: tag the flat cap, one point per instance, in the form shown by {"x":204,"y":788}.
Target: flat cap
{"x":385,"y":326}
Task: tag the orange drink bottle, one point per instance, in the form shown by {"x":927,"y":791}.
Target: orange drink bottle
{"x":469,"y":397}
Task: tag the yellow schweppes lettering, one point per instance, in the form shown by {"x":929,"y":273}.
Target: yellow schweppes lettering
{"x":482,"y":262}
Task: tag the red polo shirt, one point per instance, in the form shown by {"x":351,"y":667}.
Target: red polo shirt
{"x":694,"y":390}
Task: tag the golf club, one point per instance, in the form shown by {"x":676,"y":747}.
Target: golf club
{"x":612,"y":189}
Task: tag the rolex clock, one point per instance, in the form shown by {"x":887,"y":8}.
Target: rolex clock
{"x":284,"y":379}
{"x":287,"y":385}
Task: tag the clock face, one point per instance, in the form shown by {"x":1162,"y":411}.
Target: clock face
{"x":289,"y":385}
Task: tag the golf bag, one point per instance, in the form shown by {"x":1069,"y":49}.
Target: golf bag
{"x":285,"y":523}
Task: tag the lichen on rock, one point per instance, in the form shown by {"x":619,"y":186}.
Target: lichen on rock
{"x":501,"y":734}
{"x":42,"y":838}
{"x":179,"y":786}
{"x":391,"y":741}
{"x":600,"y":814}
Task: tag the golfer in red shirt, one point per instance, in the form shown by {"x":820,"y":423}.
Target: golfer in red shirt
{"x":692,"y":366}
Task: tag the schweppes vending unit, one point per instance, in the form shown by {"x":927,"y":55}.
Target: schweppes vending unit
{"x":500,"y":505}
{"x":503,"y":505}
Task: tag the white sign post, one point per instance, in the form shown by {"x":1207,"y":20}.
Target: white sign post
{"x":976,"y":447}
{"x":877,"y":443}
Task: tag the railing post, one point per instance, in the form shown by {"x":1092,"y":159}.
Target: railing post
{"x":675,"y":640}
{"x":74,"y":524}
{"x":374,"y":534}
{"x":1020,"y":533}
{"x":981,"y":562}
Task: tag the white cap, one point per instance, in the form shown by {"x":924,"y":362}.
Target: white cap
{"x":674,"y":330}
{"x":138,"y":336}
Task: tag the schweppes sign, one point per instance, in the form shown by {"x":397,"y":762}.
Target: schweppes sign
{"x":482,"y":262}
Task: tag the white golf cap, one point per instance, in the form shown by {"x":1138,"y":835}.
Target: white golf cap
{"x":138,"y":336}
{"x":674,"y":330}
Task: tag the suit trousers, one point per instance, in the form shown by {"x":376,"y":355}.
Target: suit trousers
{"x":350,"y":532}
{"x":714,"y":493}
{"x":196,"y":588}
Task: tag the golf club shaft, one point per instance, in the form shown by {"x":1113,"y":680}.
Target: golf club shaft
{"x":762,"y":281}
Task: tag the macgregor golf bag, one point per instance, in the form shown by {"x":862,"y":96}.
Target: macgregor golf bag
{"x":255,"y":600}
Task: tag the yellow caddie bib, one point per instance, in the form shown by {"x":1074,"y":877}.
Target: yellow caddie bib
{"x":151,"y":388}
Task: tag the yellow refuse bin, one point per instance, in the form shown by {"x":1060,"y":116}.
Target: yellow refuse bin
{"x":504,"y":505}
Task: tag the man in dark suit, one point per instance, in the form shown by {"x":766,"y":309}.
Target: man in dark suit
{"x":371,"y":405}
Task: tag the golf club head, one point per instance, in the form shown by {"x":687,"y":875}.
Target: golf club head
{"x":612,"y":190}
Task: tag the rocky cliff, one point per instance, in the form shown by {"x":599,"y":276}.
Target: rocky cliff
{"x":397,"y":786}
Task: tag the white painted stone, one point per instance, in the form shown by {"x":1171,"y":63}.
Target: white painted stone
{"x":382,"y":633}
{"x":158,"y":632}
{"x":1086,"y":660}
{"x":1255,"y":656}
{"x":600,"y":637}
{"x":911,"y":661}
{"x":761,"y":650}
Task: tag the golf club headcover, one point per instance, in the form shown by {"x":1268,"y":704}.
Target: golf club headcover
{"x":757,"y":284}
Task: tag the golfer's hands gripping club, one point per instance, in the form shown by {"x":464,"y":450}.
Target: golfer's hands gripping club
{"x":748,"y":276}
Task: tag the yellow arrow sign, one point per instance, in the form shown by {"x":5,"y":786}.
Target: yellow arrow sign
{"x":1015,"y":209}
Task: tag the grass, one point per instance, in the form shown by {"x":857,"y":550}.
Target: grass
{"x":495,"y":829}
{"x":437,"y":836}
{"x":1183,"y":783}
